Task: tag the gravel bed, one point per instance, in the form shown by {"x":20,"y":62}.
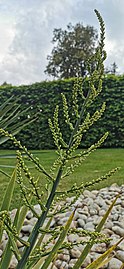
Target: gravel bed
{"x":90,"y":207}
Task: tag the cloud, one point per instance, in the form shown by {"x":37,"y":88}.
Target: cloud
{"x":26,"y":33}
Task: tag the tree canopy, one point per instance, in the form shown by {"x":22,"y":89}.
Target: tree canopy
{"x":73,"y":47}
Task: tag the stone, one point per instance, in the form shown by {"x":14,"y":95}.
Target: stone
{"x":1,"y":252}
{"x":77,"y":204}
{"x":12,"y":214}
{"x":82,"y":216}
{"x":99,"y":248}
{"x":75,"y":253}
{"x":64,"y":265}
{"x":73,"y":238}
{"x":100,"y":201}
{"x":97,"y":220}
{"x":102,"y":212}
{"x":58,"y":263}
{"x":86,"y":262}
{"x":122,"y":203}
{"x":89,"y":226}
{"x":27,"y":228}
{"x":93,"y":212}
{"x":33,"y":220}
{"x":121,"y":246}
{"x":64,"y":257}
{"x":29,"y":215}
{"x":107,"y":232}
{"x":115,"y":217}
{"x":118,"y":230}
{"x":53,"y":266}
{"x":108,"y":224}
{"x":3,"y":244}
{"x":89,"y":201}
{"x":70,"y":199}
{"x":114,"y":264}
{"x":52,"y":224}
{"x":120,"y":255}
{"x":72,"y":263}
{"x":37,"y":209}
{"x":95,"y":192}
{"x":114,"y":187}
{"x":89,"y":194}
{"x":81,"y":223}
{"x":13,"y":263}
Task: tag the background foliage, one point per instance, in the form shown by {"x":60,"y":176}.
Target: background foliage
{"x":42,"y":98}
{"x":72,"y":48}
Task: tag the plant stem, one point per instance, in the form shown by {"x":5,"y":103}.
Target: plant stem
{"x":39,"y":223}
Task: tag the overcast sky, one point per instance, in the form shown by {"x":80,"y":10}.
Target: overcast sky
{"x":26,"y":30}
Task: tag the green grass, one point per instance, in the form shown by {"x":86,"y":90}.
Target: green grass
{"x":97,"y":164}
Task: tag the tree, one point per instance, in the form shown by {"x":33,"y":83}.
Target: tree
{"x":112,"y":69}
{"x":72,"y":49}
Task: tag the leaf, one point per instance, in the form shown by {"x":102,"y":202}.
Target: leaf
{"x":40,"y":241}
{"x":21,"y":217}
{"x":98,"y":229}
{"x":61,"y":238}
{"x":39,"y":263}
{"x":9,"y":192}
{"x":4,"y":173}
{"x":7,"y":255}
{"x":101,"y":260}
{"x":16,"y":129}
{"x":8,"y":197}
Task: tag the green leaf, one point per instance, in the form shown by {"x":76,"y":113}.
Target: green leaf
{"x":8,"y":197}
{"x":7,"y":255}
{"x":9,"y":192}
{"x":103,"y":259}
{"x":58,"y":244}
{"x":4,"y":173}
{"x":98,"y":229}
{"x":39,"y":243}
{"x":39,"y":263}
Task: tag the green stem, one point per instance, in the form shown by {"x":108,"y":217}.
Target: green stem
{"x":78,"y":121}
{"x":39,"y":223}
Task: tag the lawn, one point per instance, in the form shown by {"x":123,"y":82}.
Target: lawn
{"x":97,"y":164}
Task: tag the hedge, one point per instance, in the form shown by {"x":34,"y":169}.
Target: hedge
{"x":42,"y":98}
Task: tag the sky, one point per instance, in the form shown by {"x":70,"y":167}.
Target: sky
{"x":26,"y":31}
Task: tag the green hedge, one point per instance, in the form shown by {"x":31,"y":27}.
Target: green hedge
{"x":43,"y":96}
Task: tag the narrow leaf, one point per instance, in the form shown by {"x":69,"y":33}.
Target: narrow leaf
{"x":9,"y":192}
{"x":39,"y":263}
{"x":8,"y":197}
{"x":61,"y":238}
{"x":98,"y":263}
{"x":7,"y":255}
{"x":90,"y":244}
{"x":40,"y":241}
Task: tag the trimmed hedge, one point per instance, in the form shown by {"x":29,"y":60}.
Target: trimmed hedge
{"x":43,"y":96}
